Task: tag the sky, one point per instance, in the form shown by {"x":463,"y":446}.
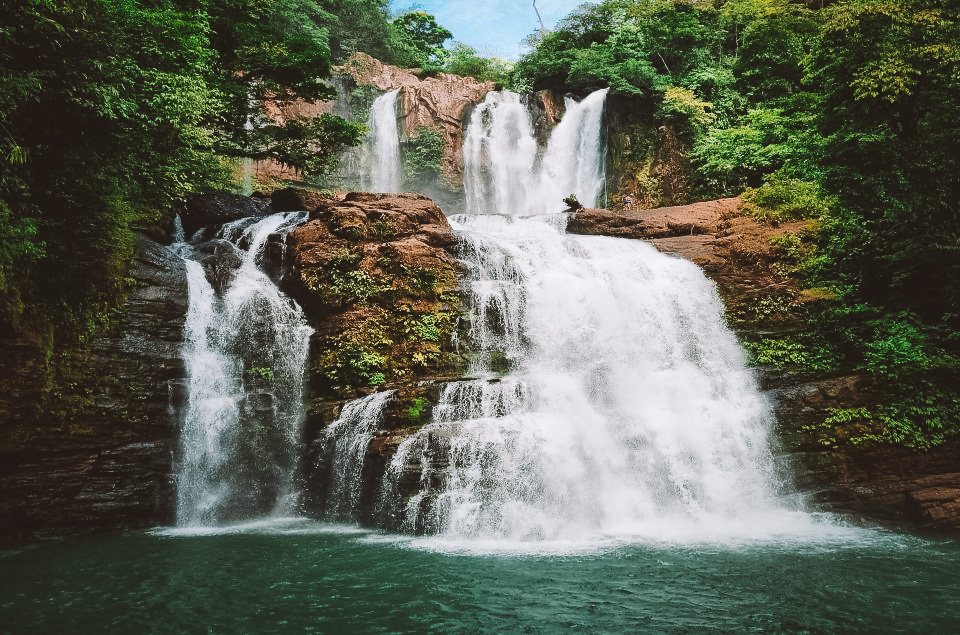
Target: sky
{"x":493,"y":27}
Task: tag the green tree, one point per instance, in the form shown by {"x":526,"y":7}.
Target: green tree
{"x":890,"y":77}
{"x":417,"y":41}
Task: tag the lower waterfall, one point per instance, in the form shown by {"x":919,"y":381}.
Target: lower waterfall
{"x":245,"y":352}
{"x":610,"y":398}
{"x":606,"y":394}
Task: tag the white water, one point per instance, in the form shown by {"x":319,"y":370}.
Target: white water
{"x":245,"y":353}
{"x":382,"y":149}
{"x":348,"y":438}
{"x":506,"y":173}
{"x":611,"y":398}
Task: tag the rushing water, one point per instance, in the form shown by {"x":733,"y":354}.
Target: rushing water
{"x":245,"y":351}
{"x":381,"y":151}
{"x":611,"y":399}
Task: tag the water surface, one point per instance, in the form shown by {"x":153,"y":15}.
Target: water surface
{"x":298,"y":576}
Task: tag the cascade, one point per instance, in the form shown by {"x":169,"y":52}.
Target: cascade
{"x":346,"y":441}
{"x":505,"y":172}
{"x":245,"y":352}
{"x":381,"y":151}
{"x":609,"y":396}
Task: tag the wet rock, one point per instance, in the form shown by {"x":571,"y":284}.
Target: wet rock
{"x":221,"y":259}
{"x":216,"y":208}
{"x":379,"y":283}
{"x":95,"y":453}
{"x":298,"y":199}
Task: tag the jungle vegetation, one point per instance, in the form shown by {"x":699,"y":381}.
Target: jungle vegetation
{"x":841,"y":112}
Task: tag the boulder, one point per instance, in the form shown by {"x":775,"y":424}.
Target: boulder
{"x":216,"y":208}
{"x":297,"y":199}
{"x":221,"y":259}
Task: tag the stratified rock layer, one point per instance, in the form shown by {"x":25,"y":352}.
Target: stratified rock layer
{"x":97,"y":454}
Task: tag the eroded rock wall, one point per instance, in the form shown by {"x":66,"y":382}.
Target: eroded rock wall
{"x":377,"y":278}
{"x":90,"y":447}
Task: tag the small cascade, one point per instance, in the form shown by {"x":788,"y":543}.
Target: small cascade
{"x":381,"y":151}
{"x":245,"y":353}
{"x":345,"y":443}
{"x":504,"y":171}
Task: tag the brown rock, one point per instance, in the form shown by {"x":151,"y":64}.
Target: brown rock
{"x":298,"y":199}
{"x":435,"y":102}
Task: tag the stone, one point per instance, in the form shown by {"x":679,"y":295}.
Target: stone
{"x":220,"y":263}
{"x":218,"y":207}
{"x":365,"y":269}
{"x":439,"y":102}
{"x":297,"y":199}
{"x":99,"y":455}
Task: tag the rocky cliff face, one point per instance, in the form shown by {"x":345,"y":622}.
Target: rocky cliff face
{"x":441,"y":103}
{"x":94,"y":451}
{"x":890,"y":484}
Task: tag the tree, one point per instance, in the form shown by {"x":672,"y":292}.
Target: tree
{"x":890,"y":78}
{"x":417,"y":40}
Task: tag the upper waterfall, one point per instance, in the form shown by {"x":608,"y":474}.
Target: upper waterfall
{"x":382,"y":148}
{"x":506,"y":173}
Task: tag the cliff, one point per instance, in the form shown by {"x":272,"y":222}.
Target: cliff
{"x":440,"y":103}
{"x":88,"y":447}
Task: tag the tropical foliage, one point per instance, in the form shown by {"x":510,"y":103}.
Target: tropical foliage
{"x":845,"y":113}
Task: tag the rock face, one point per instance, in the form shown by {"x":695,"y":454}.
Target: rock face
{"x":201,"y":210}
{"x":376,"y":277}
{"x":99,"y":456}
{"x":734,"y":250}
{"x":889,"y":484}
{"x":435,"y":102}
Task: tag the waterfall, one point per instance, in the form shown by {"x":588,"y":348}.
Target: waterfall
{"x":347,"y":440}
{"x":609,"y":395}
{"x":382,"y":148}
{"x":245,"y":354}
{"x":504,"y":172}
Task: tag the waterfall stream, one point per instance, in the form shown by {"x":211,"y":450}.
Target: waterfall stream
{"x":381,"y":151}
{"x":245,"y":351}
{"x":610,"y":396}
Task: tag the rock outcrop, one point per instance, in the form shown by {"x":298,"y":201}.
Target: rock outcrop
{"x":734,"y":250}
{"x":214,"y":208}
{"x":884,"y":483}
{"x":96,"y":454}
{"x":379,"y":283}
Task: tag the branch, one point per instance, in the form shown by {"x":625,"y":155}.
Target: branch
{"x":538,"y":15}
